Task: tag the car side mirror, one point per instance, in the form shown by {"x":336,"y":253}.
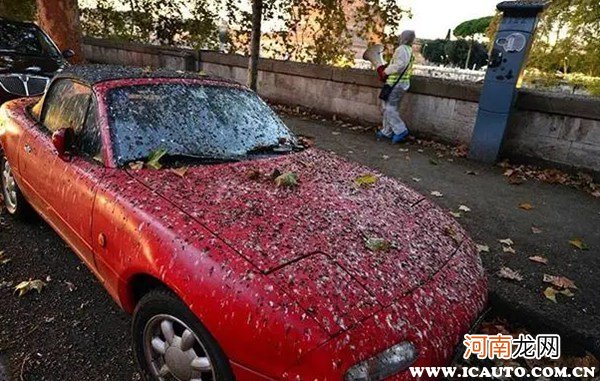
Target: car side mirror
{"x":68,"y":53}
{"x":63,"y":140}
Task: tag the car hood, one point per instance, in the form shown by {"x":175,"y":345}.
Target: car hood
{"x":25,"y":64}
{"x":324,"y":240}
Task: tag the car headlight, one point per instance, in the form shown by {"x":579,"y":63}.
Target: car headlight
{"x":389,"y":362}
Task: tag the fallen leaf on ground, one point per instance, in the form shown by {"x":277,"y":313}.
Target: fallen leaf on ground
{"x":526,"y":206}
{"x":483,"y":248}
{"x":472,"y":173}
{"x":385,"y":157}
{"x":377,"y":244}
{"x":437,"y":194}
{"x":536,"y":230}
{"x":433,"y":162}
{"x":28,"y":285}
{"x":403,"y":149}
{"x":179,"y":171}
{"x":514,"y":180}
{"x":506,"y":241}
{"x":288,"y":179}
{"x":578,"y":243}
{"x":3,"y":258}
{"x":550,"y":293}
{"x":508,"y":273}
{"x":336,"y":133}
{"x":365,"y":181}
{"x":559,"y":281}
{"x":539,"y":259}
{"x":464,"y":208}
{"x":416,"y":179}
{"x":456,"y":214}
{"x":508,"y":249}
{"x":451,"y":232}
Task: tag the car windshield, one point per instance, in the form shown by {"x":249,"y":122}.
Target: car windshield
{"x":191,"y":120}
{"x":25,"y":39}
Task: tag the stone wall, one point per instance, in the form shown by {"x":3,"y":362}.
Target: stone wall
{"x":557,"y":128}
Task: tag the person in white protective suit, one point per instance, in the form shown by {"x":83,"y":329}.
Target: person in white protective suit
{"x":397,"y":75}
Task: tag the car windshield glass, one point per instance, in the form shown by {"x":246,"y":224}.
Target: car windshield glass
{"x":25,"y":39}
{"x":191,"y":120}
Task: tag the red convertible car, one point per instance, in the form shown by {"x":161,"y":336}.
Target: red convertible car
{"x":241,"y":253}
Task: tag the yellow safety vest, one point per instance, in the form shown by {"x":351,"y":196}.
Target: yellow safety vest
{"x":392,"y":78}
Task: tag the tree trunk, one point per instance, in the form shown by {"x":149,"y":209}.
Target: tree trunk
{"x":60,"y":19}
{"x":257,"y":6}
{"x":469,"y":54}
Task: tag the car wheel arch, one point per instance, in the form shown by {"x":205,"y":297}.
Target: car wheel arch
{"x":139,"y":285}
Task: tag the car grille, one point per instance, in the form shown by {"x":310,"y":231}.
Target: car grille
{"x":23,"y":84}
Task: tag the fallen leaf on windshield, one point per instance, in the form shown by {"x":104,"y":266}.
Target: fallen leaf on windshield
{"x":437,"y":194}
{"x":506,"y":241}
{"x":559,"y":281}
{"x":536,"y":230}
{"x":179,"y":171}
{"x":464,"y":208}
{"x":525,"y":206}
{"x":483,"y":248}
{"x":377,"y":244}
{"x":136,"y":165}
{"x":288,"y":179}
{"x":28,"y":285}
{"x":508,"y":273}
{"x":508,"y":249}
{"x":365,"y":181}
{"x":154,"y":158}
{"x":550,"y":293}
{"x":3,"y":258}
{"x":539,"y":259}
{"x":456,"y":214}
{"x":578,"y":243}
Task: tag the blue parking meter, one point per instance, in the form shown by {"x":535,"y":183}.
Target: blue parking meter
{"x":505,"y":67}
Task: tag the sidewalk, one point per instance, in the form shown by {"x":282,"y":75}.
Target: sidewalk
{"x":560,"y":212}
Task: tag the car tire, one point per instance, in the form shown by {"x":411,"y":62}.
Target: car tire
{"x":164,"y":351}
{"x":15,"y":203}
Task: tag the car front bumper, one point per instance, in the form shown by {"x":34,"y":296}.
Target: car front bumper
{"x":433,"y":317}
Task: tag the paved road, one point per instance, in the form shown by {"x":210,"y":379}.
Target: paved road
{"x":72,"y":330}
{"x":561,"y":212}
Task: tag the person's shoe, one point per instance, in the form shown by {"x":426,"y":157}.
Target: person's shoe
{"x":381,"y":135}
{"x":397,"y":138}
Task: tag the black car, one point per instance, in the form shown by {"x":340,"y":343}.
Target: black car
{"x":28,"y":59}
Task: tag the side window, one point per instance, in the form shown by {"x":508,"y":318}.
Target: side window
{"x":88,"y":142}
{"x":66,"y":105}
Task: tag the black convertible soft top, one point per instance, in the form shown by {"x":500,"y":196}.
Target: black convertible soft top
{"x":92,"y":74}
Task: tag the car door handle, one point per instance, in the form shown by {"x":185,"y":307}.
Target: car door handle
{"x":27,"y":148}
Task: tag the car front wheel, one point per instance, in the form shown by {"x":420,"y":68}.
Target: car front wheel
{"x":170,"y":343}
{"x":14,"y":201}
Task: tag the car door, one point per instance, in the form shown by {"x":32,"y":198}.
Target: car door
{"x":66,"y":186}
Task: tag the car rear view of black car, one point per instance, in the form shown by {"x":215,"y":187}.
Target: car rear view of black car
{"x":28,"y":59}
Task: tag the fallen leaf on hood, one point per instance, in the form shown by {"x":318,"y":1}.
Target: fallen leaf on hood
{"x":154,"y":158}
{"x":437,"y":194}
{"x":525,"y":206}
{"x":377,"y":244}
{"x":508,"y":273}
{"x":536,"y":230}
{"x":559,"y":281}
{"x":451,"y":232}
{"x":483,"y":248}
{"x":3,"y":258}
{"x":288,"y":179}
{"x":28,"y":285}
{"x":550,"y":293}
{"x":508,"y":249}
{"x":179,"y":171}
{"x":506,"y":241}
{"x":539,"y":259}
{"x":136,"y":165}
{"x":254,"y":174}
{"x":578,"y":243}
{"x":464,"y":208}
{"x":456,"y":214}
{"x":365,"y":181}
